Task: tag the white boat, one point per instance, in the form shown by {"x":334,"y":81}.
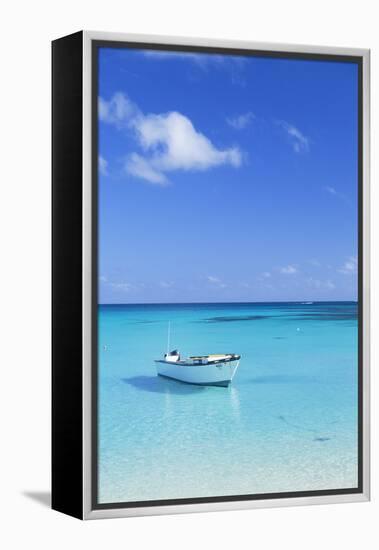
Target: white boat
{"x":203,"y":370}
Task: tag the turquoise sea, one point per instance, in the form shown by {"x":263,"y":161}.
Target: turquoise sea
{"x":287,"y":423}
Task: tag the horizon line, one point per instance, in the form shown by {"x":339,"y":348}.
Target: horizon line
{"x":300,"y":302}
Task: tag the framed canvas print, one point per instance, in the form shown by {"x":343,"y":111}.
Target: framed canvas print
{"x":210,"y":275}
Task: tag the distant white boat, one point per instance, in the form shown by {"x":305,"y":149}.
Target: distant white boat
{"x":203,"y":370}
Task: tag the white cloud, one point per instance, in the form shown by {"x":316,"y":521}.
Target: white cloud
{"x":216,"y":281}
{"x":266,"y":274}
{"x":141,"y":168}
{"x":300,"y":143}
{"x":103,"y":279}
{"x":169,"y":142}
{"x":103,"y":166}
{"x":119,"y":110}
{"x":350,"y":266}
{"x":182,"y":147}
{"x":288,"y":270}
{"x":240,"y":122}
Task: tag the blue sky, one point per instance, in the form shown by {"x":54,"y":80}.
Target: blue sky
{"x":226,"y":178}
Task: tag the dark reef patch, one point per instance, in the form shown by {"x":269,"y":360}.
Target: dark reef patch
{"x":235,"y":318}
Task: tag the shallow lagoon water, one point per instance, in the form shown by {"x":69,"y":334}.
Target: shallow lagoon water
{"x":287,"y":423}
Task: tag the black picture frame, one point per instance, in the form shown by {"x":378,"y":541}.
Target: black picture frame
{"x":74,"y":133}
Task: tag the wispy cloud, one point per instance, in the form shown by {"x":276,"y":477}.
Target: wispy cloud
{"x":103,"y":166}
{"x":169,"y":142}
{"x":240,"y":122}
{"x":203,"y":61}
{"x":314,"y":262}
{"x":166,"y":284}
{"x":123,"y":286}
{"x":143,"y":168}
{"x":330,"y":190}
{"x":335,"y":193}
{"x":350,"y":266}
{"x":119,"y":110}
{"x":319,"y":284}
{"x":299,"y":142}
{"x":288,"y":270}
{"x":264,"y":276}
{"x":216,"y":281}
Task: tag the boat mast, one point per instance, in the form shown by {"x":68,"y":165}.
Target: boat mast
{"x":168,"y":337}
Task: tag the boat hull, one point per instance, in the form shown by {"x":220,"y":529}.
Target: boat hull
{"x":220,"y":374}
